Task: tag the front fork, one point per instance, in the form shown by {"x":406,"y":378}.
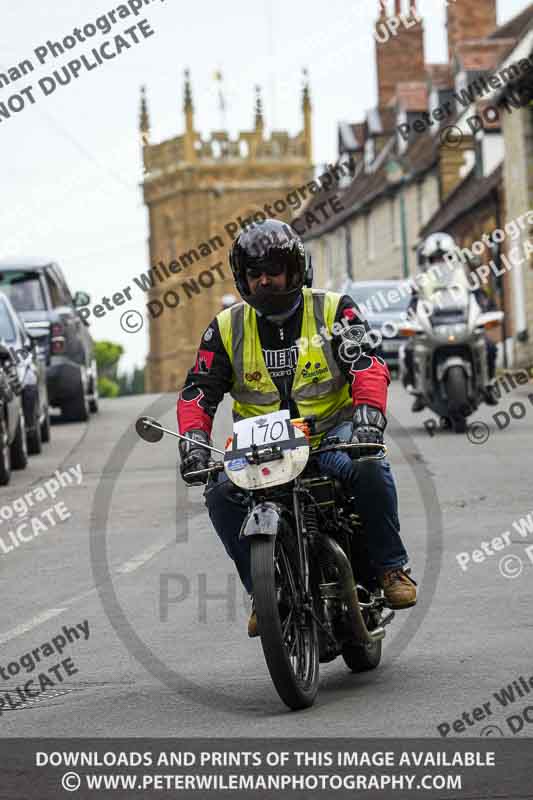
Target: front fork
{"x":303,"y":544}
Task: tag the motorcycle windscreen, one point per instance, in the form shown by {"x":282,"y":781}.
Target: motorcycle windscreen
{"x":447,"y":288}
{"x":271,"y":434}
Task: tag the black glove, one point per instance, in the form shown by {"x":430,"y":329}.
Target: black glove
{"x":193,"y":456}
{"x":368,"y":427}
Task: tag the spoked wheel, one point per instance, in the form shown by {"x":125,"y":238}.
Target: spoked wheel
{"x":286,"y":627}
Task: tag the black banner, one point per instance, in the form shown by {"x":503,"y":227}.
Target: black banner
{"x":38,"y":769}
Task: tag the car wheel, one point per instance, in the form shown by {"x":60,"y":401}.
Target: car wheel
{"x":19,"y":448}
{"x":5,"y":453}
{"x":45,"y":427}
{"x":94,"y":405}
{"x":77,"y":408}
{"x":35,"y":441}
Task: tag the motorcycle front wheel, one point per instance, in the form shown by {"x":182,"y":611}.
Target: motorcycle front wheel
{"x":287,"y":629}
{"x":457,"y":391}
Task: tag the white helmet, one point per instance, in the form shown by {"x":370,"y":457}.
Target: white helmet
{"x":434,"y":248}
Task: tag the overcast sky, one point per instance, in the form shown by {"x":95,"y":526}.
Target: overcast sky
{"x":70,"y":164}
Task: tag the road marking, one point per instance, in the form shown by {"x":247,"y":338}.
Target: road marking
{"x":126,"y":568}
{"x":138,"y":561}
{"x":30,"y":624}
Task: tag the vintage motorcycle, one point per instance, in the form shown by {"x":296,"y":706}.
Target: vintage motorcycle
{"x":449,"y":353}
{"x":315,"y":594}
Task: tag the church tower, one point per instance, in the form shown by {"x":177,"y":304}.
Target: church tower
{"x":199,"y":192}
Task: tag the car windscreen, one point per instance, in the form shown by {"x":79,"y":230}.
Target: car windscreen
{"x":7,"y":330}
{"x":381,"y":296}
{"x":23,"y":289}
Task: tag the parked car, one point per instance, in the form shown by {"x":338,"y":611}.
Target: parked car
{"x":383,"y":302}
{"x":39,"y":293}
{"x":30,"y":362}
{"x":13,"y":441}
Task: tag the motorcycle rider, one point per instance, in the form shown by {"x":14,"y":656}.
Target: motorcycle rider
{"x":433,"y":252}
{"x":254,"y":351}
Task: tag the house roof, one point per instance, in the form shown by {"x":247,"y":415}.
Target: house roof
{"x":421,"y":156}
{"x":423,"y":152}
{"x":514,"y":28}
{"x":351,"y":135}
{"x":466,"y":196}
{"x":380,"y":120}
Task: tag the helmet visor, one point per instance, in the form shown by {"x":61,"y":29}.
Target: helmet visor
{"x":255,"y":271}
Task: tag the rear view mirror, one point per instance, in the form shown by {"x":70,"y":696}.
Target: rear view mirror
{"x":81,"y":299}
{"x":149,"y":429}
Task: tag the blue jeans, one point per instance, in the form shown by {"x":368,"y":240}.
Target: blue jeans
{"x":377,"y":505}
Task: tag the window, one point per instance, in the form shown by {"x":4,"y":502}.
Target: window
{"x":56,"y":295}
{"x":370,"y":152}
{"x":23,"y":289}
{"x":7,"y":331}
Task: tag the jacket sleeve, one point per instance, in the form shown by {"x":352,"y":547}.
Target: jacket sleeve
{"x":206,"y":383}
{"x":354,"y":351}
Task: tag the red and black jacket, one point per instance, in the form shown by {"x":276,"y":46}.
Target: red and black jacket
{"x":211,"y":376}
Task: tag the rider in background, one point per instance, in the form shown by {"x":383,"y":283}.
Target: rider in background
{"x":253,"y":351}
{"x":433,"y":252}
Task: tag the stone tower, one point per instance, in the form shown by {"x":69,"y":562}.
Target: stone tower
{"x":200,"y":193}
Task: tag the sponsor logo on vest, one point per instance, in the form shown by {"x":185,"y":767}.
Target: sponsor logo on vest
{"x":253,"y":376}
{"x":283,"y":358}
{"x":313,"y":373}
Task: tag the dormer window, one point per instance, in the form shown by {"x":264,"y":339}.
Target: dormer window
{"x":370,"y":152}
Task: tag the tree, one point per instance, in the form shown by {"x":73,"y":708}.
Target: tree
{"x":107,"y":355}
{"x":132,"y":382}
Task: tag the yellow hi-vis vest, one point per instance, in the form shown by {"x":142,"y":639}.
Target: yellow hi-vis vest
{"x":319,"y":388}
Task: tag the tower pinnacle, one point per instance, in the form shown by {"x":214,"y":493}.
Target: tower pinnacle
{"x":144,"y":121}
{"x":258,"y":109}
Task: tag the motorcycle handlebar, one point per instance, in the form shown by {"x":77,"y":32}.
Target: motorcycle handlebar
{"x":219,"y":466}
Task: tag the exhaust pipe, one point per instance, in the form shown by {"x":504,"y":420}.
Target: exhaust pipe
{"x":335,"y":555}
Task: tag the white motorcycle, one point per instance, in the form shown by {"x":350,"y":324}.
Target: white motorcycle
{"x":449,"y":349}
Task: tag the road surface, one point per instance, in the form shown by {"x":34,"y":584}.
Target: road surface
{"x":138,"y":568}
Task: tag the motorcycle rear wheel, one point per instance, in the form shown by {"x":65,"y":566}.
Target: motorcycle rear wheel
{"x":288,"y":632}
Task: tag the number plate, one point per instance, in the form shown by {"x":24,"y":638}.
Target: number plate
{"x":267,"y":429}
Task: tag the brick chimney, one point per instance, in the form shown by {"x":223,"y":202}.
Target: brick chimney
{"x":399,"y":36}
{"x":469,"y":19}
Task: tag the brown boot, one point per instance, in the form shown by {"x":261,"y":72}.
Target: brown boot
{"x":399,"y":589}
{"x":252,"y":625}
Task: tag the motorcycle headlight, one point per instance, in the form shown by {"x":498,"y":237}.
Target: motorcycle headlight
{"x":451,"y":332}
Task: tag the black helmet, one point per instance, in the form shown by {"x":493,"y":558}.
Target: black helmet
{"x":273,"y":247}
